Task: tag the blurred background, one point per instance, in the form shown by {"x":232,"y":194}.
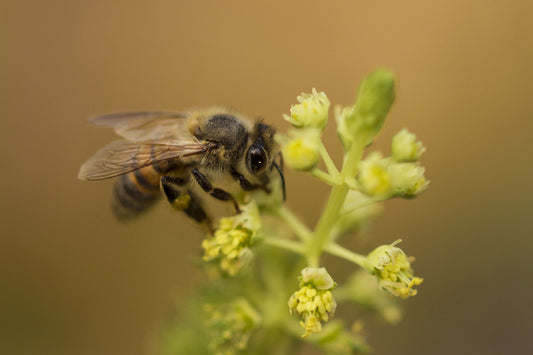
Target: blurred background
{"x":75,"y":281}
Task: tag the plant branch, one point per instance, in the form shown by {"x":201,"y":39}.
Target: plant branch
{"x":300,"y":229}
{"x":347,"y":254}
{"x":330,"y":165}
{"x":334,"y":205}
{"x":327,"y":178}
{"x":287,"y":244}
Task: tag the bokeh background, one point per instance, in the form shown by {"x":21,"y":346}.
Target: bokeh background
{"x":74,"y":281}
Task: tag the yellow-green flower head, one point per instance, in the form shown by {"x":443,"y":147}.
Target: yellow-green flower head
{"x":301,"y":152}
{"x":405,"y":147}
{"x":374,"y":176}
{"x":407,"y":179}
{"x":393,"y":270}
{"x":231,"y":242}
{"x":230,"y":326}
{"x":313,"y":301}
{"x":312,"y":111}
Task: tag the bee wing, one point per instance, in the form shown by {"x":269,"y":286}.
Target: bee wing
{"x":145,"y":126}
{"x":120,"y":157}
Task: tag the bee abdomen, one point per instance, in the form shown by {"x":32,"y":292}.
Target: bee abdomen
{"x":135,"y":192}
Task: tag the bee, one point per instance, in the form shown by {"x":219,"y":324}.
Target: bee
{"x":181,"y":155}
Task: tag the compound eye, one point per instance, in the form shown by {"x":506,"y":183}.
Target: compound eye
{"x":257,"y":159}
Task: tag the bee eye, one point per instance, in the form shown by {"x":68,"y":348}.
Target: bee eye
{"x":256,"y":159}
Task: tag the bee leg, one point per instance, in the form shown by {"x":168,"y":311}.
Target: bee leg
{"x":217,"y":193}
{"x":196,"y":211}
{"x":184,"y":200}
{"x":171,"y":187}
{"x":247,"y":185}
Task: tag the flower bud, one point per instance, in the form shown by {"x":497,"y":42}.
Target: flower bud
{"x":345,"y":136}
{"x":373,"y":102}
{"x":407,"y":179}
{"x":312,"y":111}
{"x":374,"y":176}
{"x":318,"y":277}
{"x":301,"y":153}
{"x":405,"y":148}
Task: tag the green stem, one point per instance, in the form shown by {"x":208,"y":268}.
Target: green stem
{"x":327,"y":178}
{"x":347,"y":254}
{"x":330,"y":165}
{"x":287,"y":244}
{"x":300,"y":229}
{"x":333,"y":206}
{"x":353,"y":184}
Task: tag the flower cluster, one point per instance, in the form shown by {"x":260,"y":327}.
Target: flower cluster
{"x":358,"y":185}
{"x":313,"y":301}
{"x":393,"y":270}
{"x":231,"y":242}
{"x":399,"y":175}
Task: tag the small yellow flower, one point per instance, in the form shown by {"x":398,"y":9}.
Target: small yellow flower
{"x":301,"y":153}
{"x":231,"y":242}
{"x":407,"y":179}
{"x":313,"y":301}
{"x":405,"y":147}
{"x":312,"y":111}
{"x":393,"y":270}
{"x":374,"y":175}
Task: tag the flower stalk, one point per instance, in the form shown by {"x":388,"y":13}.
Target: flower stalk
{"x":333,"y":207}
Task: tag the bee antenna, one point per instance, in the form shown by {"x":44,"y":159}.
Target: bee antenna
{"x":282,"y":180}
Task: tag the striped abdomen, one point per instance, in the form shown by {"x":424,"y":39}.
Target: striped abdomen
{"x":135,"y":192}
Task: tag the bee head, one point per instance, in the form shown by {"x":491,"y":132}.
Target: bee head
{"x":259,"y":156}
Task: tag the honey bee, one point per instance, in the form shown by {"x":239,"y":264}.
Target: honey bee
{"x":177,"y":152}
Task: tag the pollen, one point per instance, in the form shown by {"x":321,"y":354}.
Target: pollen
{"x":230,"y":245}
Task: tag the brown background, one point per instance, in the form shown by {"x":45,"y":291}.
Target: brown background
{"x":76,"y":282}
